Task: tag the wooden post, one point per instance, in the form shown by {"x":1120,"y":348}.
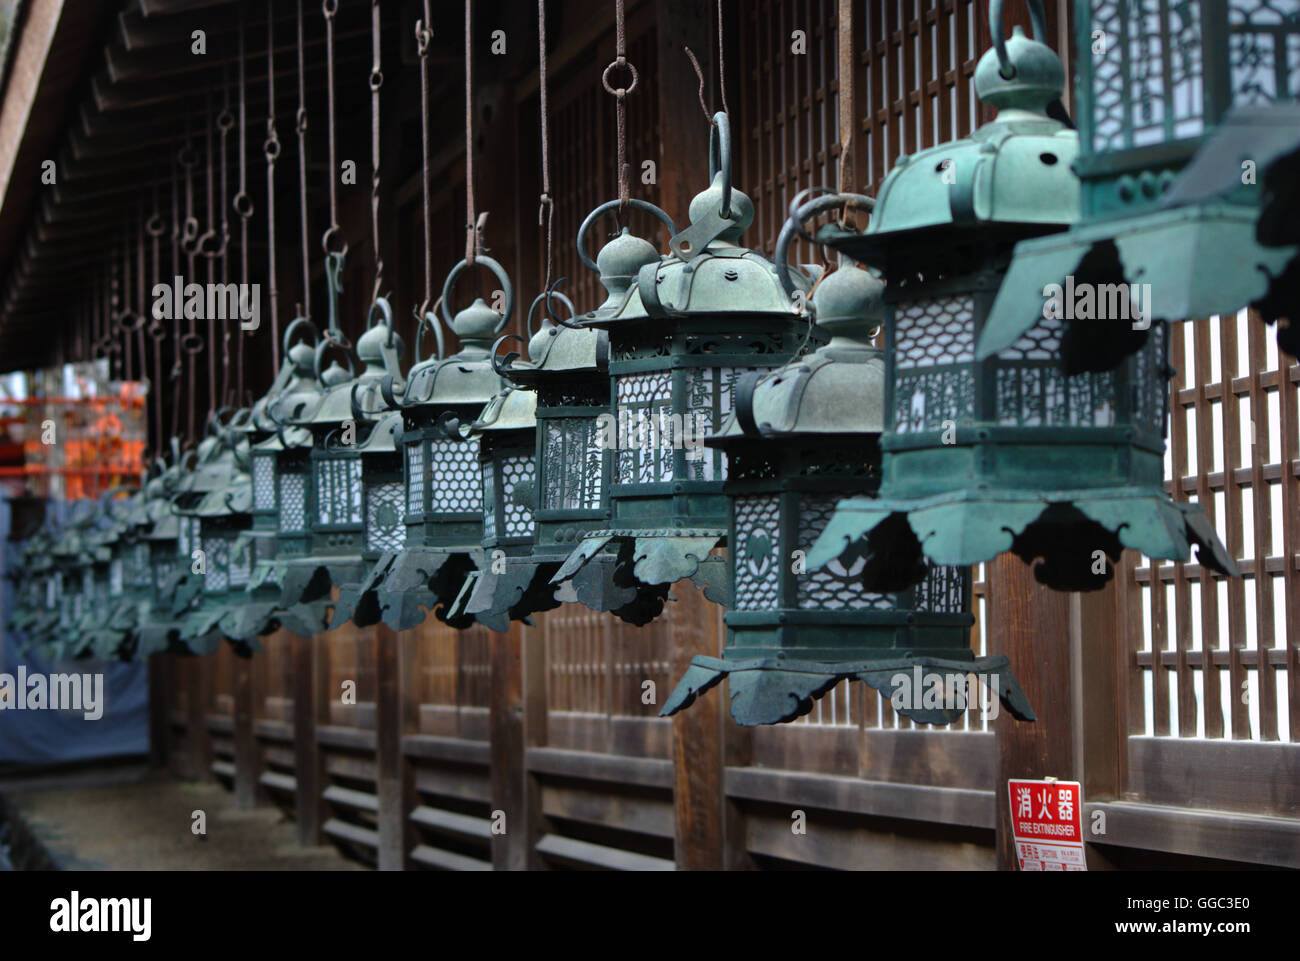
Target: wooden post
{"x":160,"y":685}
{"x":245,"y":742}
{"x":510,"y":851}
{"x":196,"y":726}
{"x":307,"y":758}
{"x":1100,"y":728}
{"x":532,"y":643}
{"x":389,"y":710}
{"x":1030,"y":624}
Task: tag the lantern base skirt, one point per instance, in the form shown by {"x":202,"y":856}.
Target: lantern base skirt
{"x":655,"y":558}
{"x":309,"y":579}
{"x":1066,"y":532}
{"x":928,"y":690}
{"x":1184,"y":262}
{"x":404,"y":587}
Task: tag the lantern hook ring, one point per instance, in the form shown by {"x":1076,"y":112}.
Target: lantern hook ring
{"x":609,"y":205}
{"x":550,"y":309}
{"x":359,"y":413}
{"x":449,"y":424}
{"x":385,"y":312}
{"x":1037,"y":19}
{"x":154,"y":226}
{"x":334,"y":234}
{"x":129,"y":320}
{"x":192,"y":343}
{"x":614,"y":64}
{"x":333,"y":338}
{"x":501,"y":365}
{"x":426,"y":319}
{"x":498,"y":271}
{"x":720,"y":159}
{"x":292,"y":328}
{"x":794,"y":225}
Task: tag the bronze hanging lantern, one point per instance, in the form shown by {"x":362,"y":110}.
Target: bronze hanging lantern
{"x":1184,"y":109}
{"x":1008,"y":452}
{"x":443,"y":501}
{"x":800,"y":439}
{"x":682,"y":330}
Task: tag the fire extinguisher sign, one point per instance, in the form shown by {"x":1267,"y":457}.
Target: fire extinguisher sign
{"x":1047,"y":824}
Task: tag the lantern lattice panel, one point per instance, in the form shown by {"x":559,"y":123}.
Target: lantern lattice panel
{"x":293,"y":501}
{"x":942,"y":591}
{"x":518,"y":516}
{"x":1032,"y":391}
{"x":115,"y":576}
{"x":458,"y":489}
{"x":934,"y":343}
{"x":384,"y":528}
{"x":1264,"y":50}
{"x":645,"y":400}
{"x":241,"y":564}
{"x":216,"y":561}
{"x":415,"y":478}
{"x":757,"y":564}
{"x":338,"y":490}
{"x":830,"y":588}
{"x":709,"y":392}
{"x":263,"y":482}
{"x":573,"y":453}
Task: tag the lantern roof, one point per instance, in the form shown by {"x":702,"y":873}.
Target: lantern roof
{"x":382,"y":438}
{"x":1015,"y":171}
{"x":509,"y":409}
{"x":838,"y":389}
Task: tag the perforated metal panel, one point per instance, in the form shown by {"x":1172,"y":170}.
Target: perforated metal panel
{"x":944,"y":590}
{"x":644,"y":405}
{"x":1264,"y":50}
{"x":757,"y":561}
{"x":709,"y":393}
{"x":934,"y":342}
{"x":293,"y":501}
{"x":833,"y":587}
{"x":1162,"y":95}
{"x":572,"y":466}
{"x":338,"y":490}
{"x":415,"y":477}
{"x":518,"y":478}
{"x":115,"y":576}
{"x":216,"y":561}
{"x":384,"y":528}
{"x":264,"y":482}
{"x":455,"y":486}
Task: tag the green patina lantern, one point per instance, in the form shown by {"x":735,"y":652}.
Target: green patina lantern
{"x":443,"y":498}
{"x":1008,"y":452}
{"x":157,"y":628}
{"x":354,"y":474}
{"x":221,"y":557}
{"x":35,"y":586}
{"x":1171,"y":227}
{"x":567,"y":375}
{"x":110,"y":633}
{"x":800,"y":439}
{"x":682,"y":330}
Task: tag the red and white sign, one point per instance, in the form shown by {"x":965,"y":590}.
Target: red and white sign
{"x":1047,"y":823}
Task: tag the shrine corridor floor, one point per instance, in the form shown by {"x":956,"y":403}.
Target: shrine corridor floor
{"x":132,"y":818}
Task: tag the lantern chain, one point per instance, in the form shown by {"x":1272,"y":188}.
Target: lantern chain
{"x":157,"y":331}
{"x":722,"y":74}
{"x":620,"y":99}
{"x":376,"y":82}
{"x":271,"y":149}
{"x":546,"y":203}
{"x":473,"y":222}
{"x":301,"y":128}
{"x":423,"y":37}
{"x":333,"y":258}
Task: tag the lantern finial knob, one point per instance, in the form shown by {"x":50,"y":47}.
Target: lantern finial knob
{"x":1032,"y":78}
{"x":708,"y":201}
{"x":621,"y":258}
